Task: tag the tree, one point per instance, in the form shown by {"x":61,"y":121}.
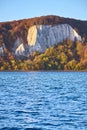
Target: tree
{"x":71,"y":65}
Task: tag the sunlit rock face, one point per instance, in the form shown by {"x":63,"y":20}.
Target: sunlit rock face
{"x":32,"y":36}
{"x":19,"y":47}
{"x":41,"y":37}
{"x":20,"y":50}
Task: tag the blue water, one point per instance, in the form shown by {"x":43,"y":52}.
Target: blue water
{"x":43,"y":100}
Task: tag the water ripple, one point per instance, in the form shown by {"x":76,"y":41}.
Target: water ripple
{"x":43,"y":100}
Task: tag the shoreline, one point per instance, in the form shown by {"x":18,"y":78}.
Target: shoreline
{"x":44,"y":71}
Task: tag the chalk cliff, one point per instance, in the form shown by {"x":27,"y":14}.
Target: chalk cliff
{"x":40,"y":37}
{"x":22,"y":37}
{"x":2,"y":47}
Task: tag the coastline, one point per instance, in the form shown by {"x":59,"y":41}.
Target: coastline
{"x":44,"y":71}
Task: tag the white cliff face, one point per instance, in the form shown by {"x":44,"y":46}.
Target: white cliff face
{"x":32,"y":35}
{"x":20,"y":50}
{"x":17,"y":43}
{"x":41,"y":37}
{"x":19,"y":47}
{"x":2,"y":49}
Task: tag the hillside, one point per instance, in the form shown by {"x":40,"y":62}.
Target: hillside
{"x":63,"y":56}
{"x":42,"y":43}
{"x":10,"y":30}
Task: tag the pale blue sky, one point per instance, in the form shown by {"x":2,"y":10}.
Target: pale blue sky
{"x":22,"y":9}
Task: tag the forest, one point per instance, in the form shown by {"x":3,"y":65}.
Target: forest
{"x":66,"y":56}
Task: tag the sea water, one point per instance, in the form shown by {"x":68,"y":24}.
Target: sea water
{"x":43,"y":100}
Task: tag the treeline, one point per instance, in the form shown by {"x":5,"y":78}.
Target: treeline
{"x":64,"y":56}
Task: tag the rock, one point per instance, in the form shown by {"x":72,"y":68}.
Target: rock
{"x":1,"y":50}
{"x":20,"y":50}
{"x":2,"y":47}
{"x":41,"y":37}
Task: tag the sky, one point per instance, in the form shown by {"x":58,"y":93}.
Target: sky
{"x":22,"y":9}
